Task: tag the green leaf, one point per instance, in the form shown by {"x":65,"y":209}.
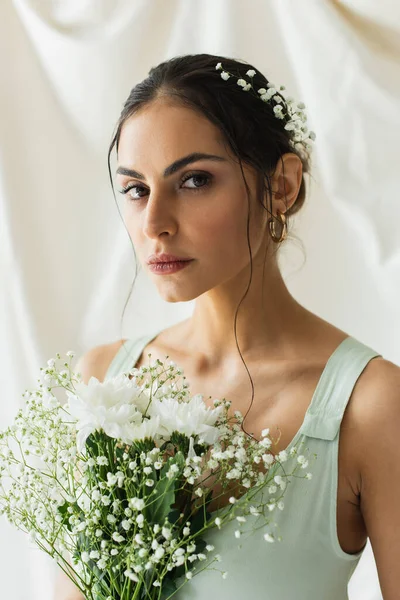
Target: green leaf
{"x":164,"y":491}
{"x":168,"y":588}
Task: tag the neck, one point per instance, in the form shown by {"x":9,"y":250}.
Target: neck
{"x":269,"y":323}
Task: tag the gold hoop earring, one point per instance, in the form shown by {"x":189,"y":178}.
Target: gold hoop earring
{"x":271,"y":224}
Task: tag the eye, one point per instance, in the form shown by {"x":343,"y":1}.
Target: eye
{"x":131,"y":186}
{"x":197,"y":176}
{"x":194,"y":176}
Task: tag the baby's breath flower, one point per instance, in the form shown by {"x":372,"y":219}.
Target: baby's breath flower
{"x":166,"y":532}
{"x":282,"y":456}
{"x":159,"y":553}
{"x":300,"y":137}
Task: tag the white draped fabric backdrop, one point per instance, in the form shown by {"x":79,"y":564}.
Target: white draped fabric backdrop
{"x":66,"y":261}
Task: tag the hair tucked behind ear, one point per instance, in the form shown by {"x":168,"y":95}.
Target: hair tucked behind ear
{"x":248,"y":125}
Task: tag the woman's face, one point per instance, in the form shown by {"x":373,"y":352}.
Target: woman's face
{"x":197,"y":211}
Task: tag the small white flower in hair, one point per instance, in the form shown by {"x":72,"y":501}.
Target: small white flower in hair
{"x":282,"y":109}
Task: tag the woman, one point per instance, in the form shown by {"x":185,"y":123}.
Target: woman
{"x":211,"y":174}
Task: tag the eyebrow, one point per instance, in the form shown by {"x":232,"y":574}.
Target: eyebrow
{"x":178,"y":164}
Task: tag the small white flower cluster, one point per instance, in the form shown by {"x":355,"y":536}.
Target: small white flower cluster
{"x":234,"y":455}
{"x":295,"y":116}
{"x":117,"y":496}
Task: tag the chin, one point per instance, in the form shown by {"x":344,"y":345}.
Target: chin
{"x":173,"y":296}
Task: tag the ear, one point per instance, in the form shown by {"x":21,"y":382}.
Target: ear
{"x":286,"y":182}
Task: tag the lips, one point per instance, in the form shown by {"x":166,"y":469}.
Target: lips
{"x":166,"y":258}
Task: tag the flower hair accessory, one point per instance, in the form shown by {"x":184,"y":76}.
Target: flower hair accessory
{"x":284,"y":108}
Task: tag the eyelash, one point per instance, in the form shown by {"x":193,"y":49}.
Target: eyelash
{"x":207,"y":176}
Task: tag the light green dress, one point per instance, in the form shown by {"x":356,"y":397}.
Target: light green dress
{"x":308,"y":564}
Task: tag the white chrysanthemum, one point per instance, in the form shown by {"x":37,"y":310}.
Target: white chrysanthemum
{"x":147,"y":428}
{"x":108,"y":405}
{"x":190,"y":418}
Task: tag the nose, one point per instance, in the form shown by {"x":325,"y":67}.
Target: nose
{"x":159,"y":215}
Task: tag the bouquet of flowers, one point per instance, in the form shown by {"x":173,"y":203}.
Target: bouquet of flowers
{"x":114,"y":479}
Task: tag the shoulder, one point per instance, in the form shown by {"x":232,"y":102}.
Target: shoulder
{"x":375,"y":413}
{"x":95,"y":361}
{"x":377,"y":393}
{"x":375,"y":441}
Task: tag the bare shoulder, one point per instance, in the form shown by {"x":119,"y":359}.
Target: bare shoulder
{"x":95,"y":362}
{"x":376,"y":427}
{"x":374,"y":409}
{"x":376,"y":393}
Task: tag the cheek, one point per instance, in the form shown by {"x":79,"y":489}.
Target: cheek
{"x":221,"y":233}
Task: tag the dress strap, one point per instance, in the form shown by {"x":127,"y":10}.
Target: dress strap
{"x":334,"y":388}
{"x":127,"y":355}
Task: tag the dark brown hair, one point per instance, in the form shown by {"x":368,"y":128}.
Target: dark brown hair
{"x":248,"y":125}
